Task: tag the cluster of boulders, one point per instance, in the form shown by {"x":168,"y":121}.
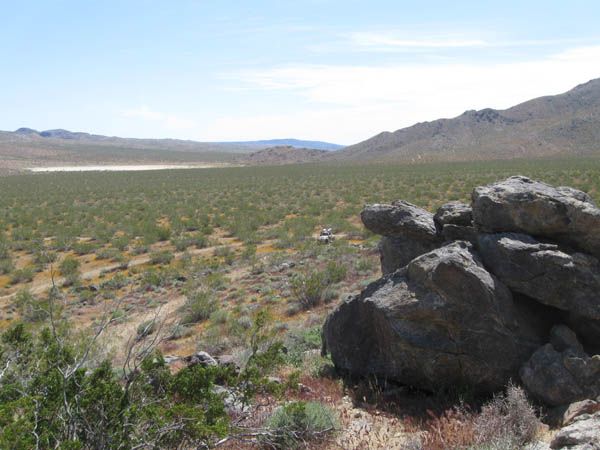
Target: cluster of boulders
{"x":507,"y":288}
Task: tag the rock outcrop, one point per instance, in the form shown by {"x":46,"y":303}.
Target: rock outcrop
{"x":408,"y":231}
{"x":441,"y":321}
{"x":505,"y":288}
{"x":399,"y":219}
{"x":582,"y":434}
{"x":561,"y":372}
{"x":453,"y":213}
{"x":520,"y":204}
{"x":568,"y":281}
{"x":396,"y":252}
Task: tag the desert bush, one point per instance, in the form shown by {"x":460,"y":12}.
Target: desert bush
{"x":119,"y":281}
{"x":146,"y":328}
{"x":295,"y":424}
{"x":219,"y":317}
{"x":508,"y":421}
{"x":179,"y":331}
{"x":84,"y":248}
{"x":6,"y":266}
{"x":74,"y":403}
{"x":364,"y":265}
{"x":335,"y":272}
{"x":161,"y":257}
{"x":120,"y":243}
{"x":69,"y":269}
{"x":163,"y":233}
{"x":198,"y":306}
{"x":153,"y":277}
{"x":309,"y":289}
{"x":43,"y":257}
{"x":108,"y":253}
{"x":23,"y":275}
{"x":181,"y":243}
{"x":31,"y":309}
{"x":139,"y":249}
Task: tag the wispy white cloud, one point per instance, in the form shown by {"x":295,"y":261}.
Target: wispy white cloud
{"x":378,"y":40}
{"x":169,"y":121}
{"x":394,"y":41}
{"x":348,"y":103}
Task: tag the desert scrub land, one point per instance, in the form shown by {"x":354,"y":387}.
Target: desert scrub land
{"x":122,"y":277}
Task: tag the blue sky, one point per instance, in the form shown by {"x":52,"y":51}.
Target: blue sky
{"x":331,"y":70}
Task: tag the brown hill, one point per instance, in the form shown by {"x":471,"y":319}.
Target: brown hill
{"x":280,"y":155}
{"x":561,"y":125}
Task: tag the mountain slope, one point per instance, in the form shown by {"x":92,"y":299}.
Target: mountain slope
{"x":296,"y":143}
{"x":562,"y":125}
{"x":280,"y":155}
{"x":27,"y":147}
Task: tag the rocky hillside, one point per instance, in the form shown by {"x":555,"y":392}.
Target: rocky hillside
{"x":562,"y":125}
{"x":27,"y":147}
{"x":478,"y":295}
{"x":283,"y":155}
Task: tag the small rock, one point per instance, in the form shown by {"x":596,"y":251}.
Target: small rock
{"x":582,"y":434}
{"x":169,"y":359}
{"x":578,"y":408}
{"x":202,"y":358}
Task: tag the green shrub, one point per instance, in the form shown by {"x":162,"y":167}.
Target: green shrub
{"x":6,"y":266}
{"x":180,"y":331}
{"x":335,"y":272}
{"x":199,"y":306}
{"x":120,"y":243}
{"x":31,"y":308}
{"x":119,"y":281}
{"x":363,"y":265}
{"x":163,"y":233}
{"x":295,"y":424}
{"x":161,"y":257}
{"x":84,"y":248}
{"x":23,"y":275}
{"x":69,"y":269}
{"x":309,"y":289}
{"x":146,"y":328}
{"x":181,"y":243}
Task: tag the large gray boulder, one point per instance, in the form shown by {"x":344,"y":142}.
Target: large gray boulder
{"x":441,"y":321}
{"x":582,"y":434}
{"x":561,"y":372}
{"x":520,"y":204}
{"x":396,"y":252}
{"x":399,"y":219}
{"x":453,"y":213}
{"x":568,"y":281}
{"x":408,"y":231}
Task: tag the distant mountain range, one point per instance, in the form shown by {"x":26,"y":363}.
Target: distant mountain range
{"x":561,"y":125}
{"x":280,"y":155}
{"x":565,"y":125}
{"x":27,"y":147}
{"x":295,"y":143}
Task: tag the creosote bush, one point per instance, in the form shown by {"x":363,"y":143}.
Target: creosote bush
{"x":507,"y":422}
{"x":309,"y":289}
{"x":295,"y":424}
{"x":199,"y":305}
{"x":69,"y":268}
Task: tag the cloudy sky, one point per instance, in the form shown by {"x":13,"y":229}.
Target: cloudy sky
{"x":334,"y":70}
